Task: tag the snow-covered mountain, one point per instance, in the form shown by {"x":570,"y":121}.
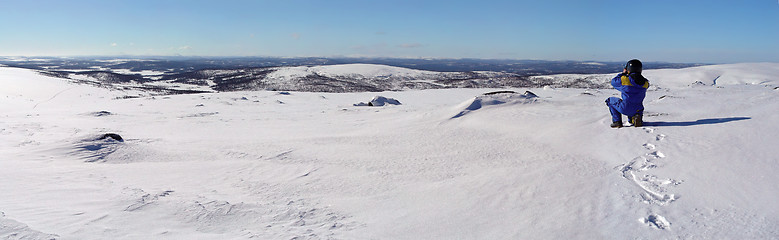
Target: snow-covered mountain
{"x":341,"y":78}
{"x":377,"y":78}
{"x":434,"y":164}
{"x":323,"y":78}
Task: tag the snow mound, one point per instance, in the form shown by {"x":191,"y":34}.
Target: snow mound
{"x":10,"y":229}
{"x":379,"y":101}
{"x":495,"y":98}
{"x":716,"y":75}
{"x":111,"y":148}
{"x":96,"y":148}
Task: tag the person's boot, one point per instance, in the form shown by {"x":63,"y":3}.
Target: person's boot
{"x":636,"y":120}
{"x":616,"y":124}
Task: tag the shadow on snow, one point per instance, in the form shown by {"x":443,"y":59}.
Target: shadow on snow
{"x":698,"y":122}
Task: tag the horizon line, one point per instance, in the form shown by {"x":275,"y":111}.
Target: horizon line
{"x":343,"y":57}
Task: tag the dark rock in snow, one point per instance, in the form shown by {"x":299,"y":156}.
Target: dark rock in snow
{"x":498,"y":92}
{"x":101,"y":113}
{"x":529,"y":94}
{"x":526,"y":94}
{"x":113,"y":136}
{"x":379,"y":101}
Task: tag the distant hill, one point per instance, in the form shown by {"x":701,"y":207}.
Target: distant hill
{"x":192,"y":75}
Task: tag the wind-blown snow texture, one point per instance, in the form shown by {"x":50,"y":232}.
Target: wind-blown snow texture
{"x":444,"y":164}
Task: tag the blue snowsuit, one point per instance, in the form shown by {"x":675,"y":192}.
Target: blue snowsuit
{"x":633,"y":94}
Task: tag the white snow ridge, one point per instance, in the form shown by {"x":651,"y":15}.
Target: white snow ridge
{"x":445,"y":164}
{"x":495,"y":98}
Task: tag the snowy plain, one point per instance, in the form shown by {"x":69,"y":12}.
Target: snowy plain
{"x":444,"y":164}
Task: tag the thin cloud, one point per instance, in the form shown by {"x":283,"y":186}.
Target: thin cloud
{"x":295,"y":36}
{"x":185,"y":48}
{"x":114,"y":44}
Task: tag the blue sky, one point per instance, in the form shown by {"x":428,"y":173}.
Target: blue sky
{"x":710,"y":31}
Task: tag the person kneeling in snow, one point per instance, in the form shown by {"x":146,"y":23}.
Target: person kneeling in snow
{"x":633,"y":87}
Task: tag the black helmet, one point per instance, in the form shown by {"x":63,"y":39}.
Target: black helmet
{"x":633,"y":66}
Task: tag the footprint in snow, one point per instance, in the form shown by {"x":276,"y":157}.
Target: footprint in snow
{"x":649,"y":146}
{"x":656,"y":221}
{"x":656,"y":154}
{"x":660,"y":137}
{"x":654,"y":188}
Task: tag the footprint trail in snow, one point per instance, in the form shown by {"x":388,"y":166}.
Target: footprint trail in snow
{"x":654,"y":188}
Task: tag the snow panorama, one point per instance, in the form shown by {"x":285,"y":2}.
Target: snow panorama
{"x":371,"y":151}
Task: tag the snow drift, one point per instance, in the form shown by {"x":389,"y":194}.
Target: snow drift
{"x":498,"y":98}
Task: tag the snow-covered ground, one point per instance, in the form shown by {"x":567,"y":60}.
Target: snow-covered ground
{"x":444,"y":164}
